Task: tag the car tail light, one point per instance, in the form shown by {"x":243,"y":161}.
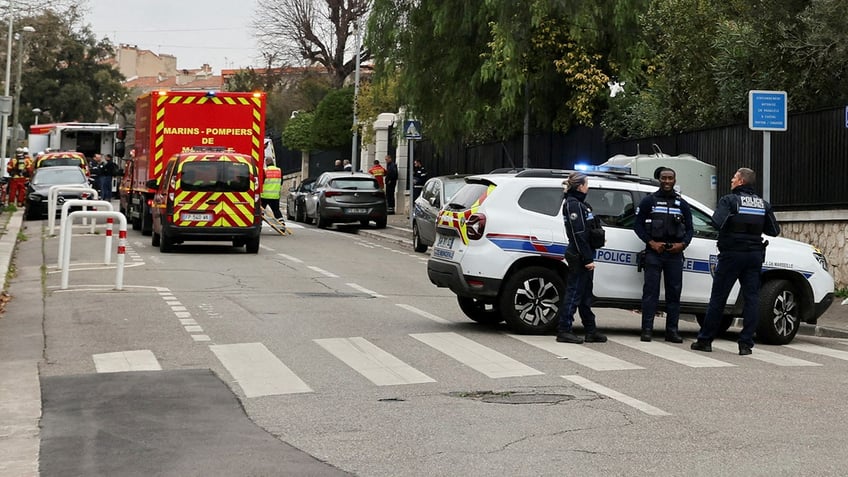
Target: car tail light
{"x":475,"y":283}
{"x":331,"y":193}
{"x":475,"y":226}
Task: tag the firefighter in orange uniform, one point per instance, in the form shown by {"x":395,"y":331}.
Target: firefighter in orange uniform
{"x":20,"y":169}
{"x":379,"y":173}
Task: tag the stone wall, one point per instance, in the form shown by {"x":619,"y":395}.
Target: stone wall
{"x":825,"y":230}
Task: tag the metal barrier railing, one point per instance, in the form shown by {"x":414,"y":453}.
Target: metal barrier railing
{"x":122,"y":243}
{"x":85,"y":203}
{"x":52,"y":197}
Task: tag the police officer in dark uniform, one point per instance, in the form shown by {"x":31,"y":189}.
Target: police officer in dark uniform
{"x":741,"y":217}
{"x":585,"y":235}
{"x":664,"y":223}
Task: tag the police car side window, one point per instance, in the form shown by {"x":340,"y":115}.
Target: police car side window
{"x":544,"y":200}
{"x":703,"y":224}
{"x":615,"y":208}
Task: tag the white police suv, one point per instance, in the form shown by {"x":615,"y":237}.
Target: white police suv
{"x":500,"y":244}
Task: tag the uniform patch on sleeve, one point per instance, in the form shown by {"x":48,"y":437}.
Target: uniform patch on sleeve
{"x":573,"y":216}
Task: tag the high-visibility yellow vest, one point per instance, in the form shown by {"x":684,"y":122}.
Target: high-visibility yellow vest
{"x":272,"y":183}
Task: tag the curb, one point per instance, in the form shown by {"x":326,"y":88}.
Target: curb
{"x":821,"y":331}
{"x":8,"y":240}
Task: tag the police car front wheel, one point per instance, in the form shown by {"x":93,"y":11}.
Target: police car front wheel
{"x":779,"y":312}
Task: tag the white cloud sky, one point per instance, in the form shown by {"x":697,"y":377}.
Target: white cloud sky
{"x":216,"y":32}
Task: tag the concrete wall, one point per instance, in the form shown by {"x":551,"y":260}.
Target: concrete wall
{"x":824,"y":229}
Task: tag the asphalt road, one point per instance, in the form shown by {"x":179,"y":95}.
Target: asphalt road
{"x":343,"y":357}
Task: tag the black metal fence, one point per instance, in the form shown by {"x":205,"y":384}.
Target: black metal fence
{"x":809,"y":161}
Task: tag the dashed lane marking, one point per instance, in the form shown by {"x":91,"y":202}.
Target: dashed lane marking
{"x":423,"y":313}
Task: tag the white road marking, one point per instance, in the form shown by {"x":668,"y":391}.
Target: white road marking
{"x":582,"y":355}
{"x":193,"y":328}
{"x":622,"y":398}
{"x":178,"y":308}
{"x":290,"y":258}
{"x":265,"y":247}
{"x":764,"y":355}
{"x":140,"y":360}
{"x":182,"y":314}
{"x":672,"y":353}
{"x":201,"y":338}
{"x":258,"y":371}
{"x":378,"y":366}
{"x":365,"y":290}
{"x":323,"y":272}
{"x":476,"y":356}
{"x":423,"y":313}
{"x":188,"y":321}
{"x":173,"y":303}
{"x":820,"y":350}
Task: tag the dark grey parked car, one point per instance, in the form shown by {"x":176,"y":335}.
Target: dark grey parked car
{"x":296,"y":200}
{"x":38,"y":187}
{"x":344,"y":197}
{"x":436,"y":193}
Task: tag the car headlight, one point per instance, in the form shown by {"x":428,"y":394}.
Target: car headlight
{"x":820,"y":258}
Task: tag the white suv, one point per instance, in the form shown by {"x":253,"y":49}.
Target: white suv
{"x":500,"y":244}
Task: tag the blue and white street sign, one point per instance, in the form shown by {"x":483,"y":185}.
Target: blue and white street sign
{"x":412,"y":129}
{"x":767,"y":110}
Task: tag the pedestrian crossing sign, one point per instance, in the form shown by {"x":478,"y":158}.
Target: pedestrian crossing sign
{"x":412,"y":129}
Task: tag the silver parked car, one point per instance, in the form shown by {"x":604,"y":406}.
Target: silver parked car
{"x":296,"y":200}
{"x":344,"y":197}
{"x":436,"y":193}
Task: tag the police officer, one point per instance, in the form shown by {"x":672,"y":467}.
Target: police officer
{"x":585,"y":235}
{"x":664,"y":223}
{"x":741,"y":217}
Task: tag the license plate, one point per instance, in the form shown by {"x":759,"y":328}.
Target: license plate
{"x":356,"y":211}
{"x":444,"y":241}
{"x":194,"y":217}
{"x":442,"y":253}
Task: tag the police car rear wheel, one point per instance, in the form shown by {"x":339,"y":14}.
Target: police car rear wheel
{"x":779,"y":308}
{"x":530,"y":300}
{"x":482,"y":312}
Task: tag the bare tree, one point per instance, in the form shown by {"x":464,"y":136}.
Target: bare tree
{"x":310,"y":32}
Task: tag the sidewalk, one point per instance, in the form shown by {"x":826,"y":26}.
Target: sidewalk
{"x":832,"y":324}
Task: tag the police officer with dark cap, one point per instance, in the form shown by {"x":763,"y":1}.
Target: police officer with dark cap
{"x":664,"y":223}
{"x":742,"y":218}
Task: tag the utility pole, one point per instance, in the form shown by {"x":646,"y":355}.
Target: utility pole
{"x":354,"y":156}
{"x":4,"y":124}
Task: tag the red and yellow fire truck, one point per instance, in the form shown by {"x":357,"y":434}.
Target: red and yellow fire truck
{"x":174,"y":122}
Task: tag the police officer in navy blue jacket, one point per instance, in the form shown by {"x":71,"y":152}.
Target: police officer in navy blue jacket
{"x":742,"y":218}
{"x":664,"y":223}
{"x":585,"y":235}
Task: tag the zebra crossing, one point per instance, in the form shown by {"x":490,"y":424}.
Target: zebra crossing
{"x":258,"y":372}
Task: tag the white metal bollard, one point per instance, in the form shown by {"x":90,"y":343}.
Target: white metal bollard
{"x":122,"y":243}
{"x":52,"y":196}
{"x":64,"y":216}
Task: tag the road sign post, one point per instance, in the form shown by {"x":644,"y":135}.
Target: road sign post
{"x":767,"y":112}
{"x":411,"y":131}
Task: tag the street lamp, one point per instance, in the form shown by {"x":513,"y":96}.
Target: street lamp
{"x":36,"y":112}
{"x":17,"y":107}
{"x":4,"y":121}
